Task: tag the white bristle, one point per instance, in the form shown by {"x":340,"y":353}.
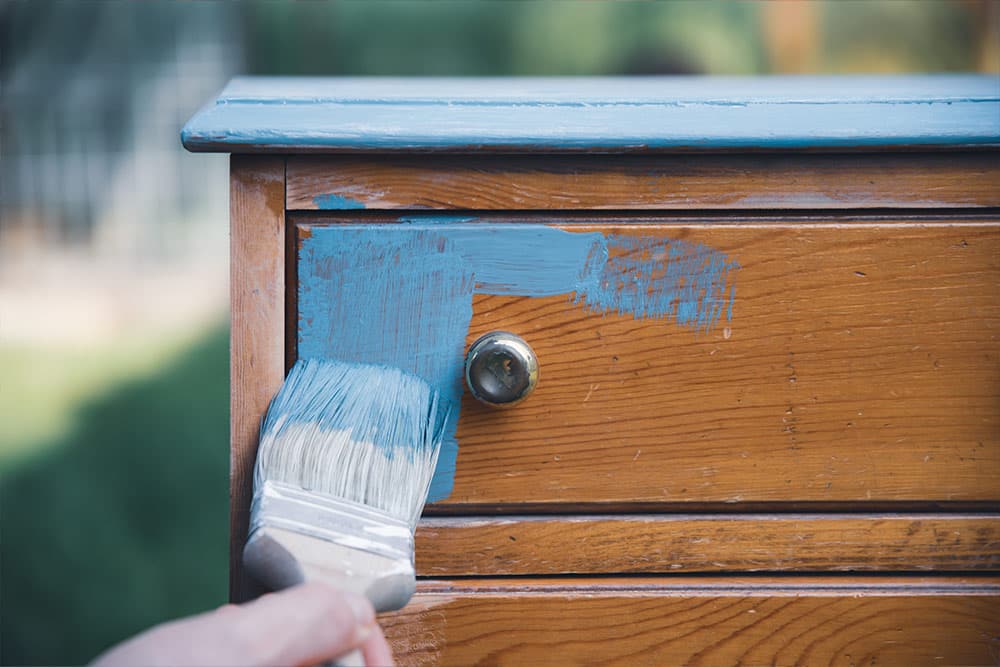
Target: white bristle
{"x":367,"y":434}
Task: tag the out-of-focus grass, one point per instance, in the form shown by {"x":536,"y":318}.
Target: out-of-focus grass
{"x":117,"y":519}
{"x":44,"y":385}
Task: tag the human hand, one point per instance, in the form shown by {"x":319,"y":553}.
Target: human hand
{"x":305,"y":625}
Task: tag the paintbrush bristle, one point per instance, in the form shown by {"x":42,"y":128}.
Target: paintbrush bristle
{"x":363,"y":433}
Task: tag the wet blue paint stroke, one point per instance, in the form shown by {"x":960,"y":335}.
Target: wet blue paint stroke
{"x":401,"y":295}
{"x":392,"y":298}
{"x":655,"y":278}
{"x":525,"y":260}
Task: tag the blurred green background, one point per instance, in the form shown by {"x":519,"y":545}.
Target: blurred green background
{"x":113,"y":246}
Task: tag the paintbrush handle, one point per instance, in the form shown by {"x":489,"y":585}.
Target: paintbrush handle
{"x":298,"y":536}
{"x":281,"y":558}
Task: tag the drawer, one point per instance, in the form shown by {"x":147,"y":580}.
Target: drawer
{"x":697,"y":621}
{"x":816,"y":362}
{"x":721,"y":400}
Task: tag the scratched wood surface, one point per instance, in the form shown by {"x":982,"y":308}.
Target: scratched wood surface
{"x":690,"y":621}
{"x":862,"y":363}
{"x":777,"y":181}
{"x":489,"y":546}
{"x":257,"y":265}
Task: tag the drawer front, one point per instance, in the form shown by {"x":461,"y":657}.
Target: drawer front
{"x":691,"y":621}
{"x":690,"y":361}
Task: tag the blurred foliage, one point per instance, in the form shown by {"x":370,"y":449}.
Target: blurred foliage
{"x":493,"y":38}
{"x":906,"y":36}
{"x":123,"y":522}
{"x":567,"y":37}
{"x":52,"y":381}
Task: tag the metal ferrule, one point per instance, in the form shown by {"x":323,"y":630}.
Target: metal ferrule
{"x":352,"y":525}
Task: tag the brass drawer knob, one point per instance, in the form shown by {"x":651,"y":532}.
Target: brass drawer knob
{"x":501,"y":369}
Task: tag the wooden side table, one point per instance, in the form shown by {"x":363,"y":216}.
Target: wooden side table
{"x":767,"y":318}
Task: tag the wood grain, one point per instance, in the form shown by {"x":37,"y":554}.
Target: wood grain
{"x":257,"y":365}
{"x":488,"y":546}
{"x":862,"y":363}
{"x":689,"y":621}
{"x":777,"y":181}
{"x":698,"y":543}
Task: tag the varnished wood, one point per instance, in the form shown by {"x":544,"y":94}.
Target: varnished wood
{"x":257,"y":265}
{"x":488,"y":546}
{"x":792,"y":181}
{"x":690,"y":621}
{"x":862,"y":363}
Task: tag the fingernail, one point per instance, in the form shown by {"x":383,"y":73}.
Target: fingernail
{"x":361,"y":608}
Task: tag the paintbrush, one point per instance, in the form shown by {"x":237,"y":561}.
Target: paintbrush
{"x":345,"y":459}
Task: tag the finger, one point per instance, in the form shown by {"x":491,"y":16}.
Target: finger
{"x":376,"y":650}
{"x":197,"y":640}
{"x":303,"y":625}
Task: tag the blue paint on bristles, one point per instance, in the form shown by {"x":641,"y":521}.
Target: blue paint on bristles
{"x":359,"y":432}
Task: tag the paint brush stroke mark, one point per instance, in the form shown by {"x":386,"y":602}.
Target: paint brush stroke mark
{"x":656,"y":278}
{"x":524,"y":260}
{"x":388,"y":296}
{"x":401,"y":295}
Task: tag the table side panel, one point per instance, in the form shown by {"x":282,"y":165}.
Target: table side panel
{"x":257,"y":265}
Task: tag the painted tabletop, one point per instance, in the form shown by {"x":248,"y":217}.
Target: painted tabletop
{"x":621,"y":114}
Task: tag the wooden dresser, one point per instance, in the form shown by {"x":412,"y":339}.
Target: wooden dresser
{"x":767,"y":318}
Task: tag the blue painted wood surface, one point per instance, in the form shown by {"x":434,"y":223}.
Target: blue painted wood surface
{"x":597,"y":114}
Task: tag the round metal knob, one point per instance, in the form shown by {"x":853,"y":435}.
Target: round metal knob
{"x":501,"y":369}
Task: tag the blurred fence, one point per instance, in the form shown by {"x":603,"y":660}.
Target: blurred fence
{"x":100,"y":206}
{"x":93,"y":95}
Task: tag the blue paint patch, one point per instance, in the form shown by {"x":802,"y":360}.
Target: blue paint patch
{"x":384,"y":295}
{"x":332,"y":201}
{"x":653,"y":278}
{"x":525,"y":260}
{"x":401,"y":295}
